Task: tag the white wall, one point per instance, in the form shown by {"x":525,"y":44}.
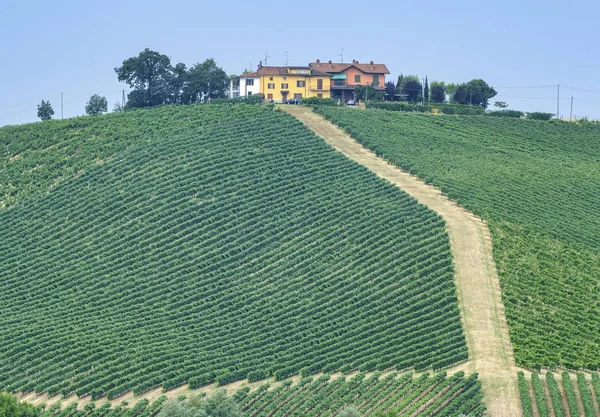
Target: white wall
{"x":246,"y":90}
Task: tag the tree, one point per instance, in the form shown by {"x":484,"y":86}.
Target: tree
{"x":460,"y":96}
{"x":478,"y":92}
{"x":220,"y":405}
{"x":11,"y":407}
{"x":368,"y":93}
{"x":349,"y":411}
{"x":500,"y":105}
{"x":438,"y":92}
{"x":390,"y":90}
{"x":174,"y":408}
{"x":44,"y":110}
{"x":426,"y":92}
{"x":148,"y":75}
{"x":118,"y":107}
{"x":179,"y":85}
{"x":96,"y":105}
{"x":207,"y":80}
{"x":399,"y":83}
{"x":412,"y":88}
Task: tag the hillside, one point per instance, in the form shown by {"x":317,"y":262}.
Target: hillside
{"x":538,"y":186}
{"x":220,"y":243}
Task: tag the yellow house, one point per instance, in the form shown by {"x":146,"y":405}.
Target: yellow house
{"x":279,"y":84}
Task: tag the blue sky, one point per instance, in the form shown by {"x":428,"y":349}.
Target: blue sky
{"x":72,"y":46}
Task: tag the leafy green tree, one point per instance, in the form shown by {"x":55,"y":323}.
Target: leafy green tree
{"x":179,"y":85}
{"x":96,"y":105}
{"x":500,"y":105}
{"x":399,"y":83}
{"x":174,"y":408}
{"x":11,"y":407}
{"x":349,"y":411}
{"x":426,"y":91}
{"x":438,"y":92}
{"x":478,"y":92}
{"x":412,"y":88}
{"x":148,"y":75}
{"x":220,"y":405}
{"x":368,"y":93}
{"x":45,"y":110}
{"x":207,"y":80}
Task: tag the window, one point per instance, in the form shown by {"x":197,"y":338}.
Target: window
{"x":284,"y":78}
{"x":249,"y":93}
{"x":300,"y":83}
{"x":298,"y":96}
{"x":375,"y":80}
{"x":271,"y":86}
{"x":235,"y":84}
{"x":236,"y":94}
{"x":269,"y":96}
{"x":320,"y":95}
{"x":284,"y":86}
{"x":319,"y":84}
{"x":357,"y":78}
{"x":249,"y":81}
{"x":270,"y":78}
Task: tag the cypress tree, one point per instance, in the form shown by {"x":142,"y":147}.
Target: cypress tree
{"x":426,"y":98}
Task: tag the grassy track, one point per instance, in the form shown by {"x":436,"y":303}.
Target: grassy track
{"x":476,"y":279}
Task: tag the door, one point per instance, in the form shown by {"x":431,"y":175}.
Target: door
{"x":284,"y":97}
{"x":319,"y":84}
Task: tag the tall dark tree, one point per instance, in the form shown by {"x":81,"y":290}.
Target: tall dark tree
{"x":390,"y":90}
{"x":426,"y":91}
{"x":460,"y":96}
{"x":438,"y":92}
{"x":149,"y":75}
{"x":412,"y":88}
{"x":399,"y":83}
{"x":179,"y":85}
{"x":207,"y":80}
{"x":45,"y":110}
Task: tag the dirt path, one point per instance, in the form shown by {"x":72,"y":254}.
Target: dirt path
{"x":476,"y":277}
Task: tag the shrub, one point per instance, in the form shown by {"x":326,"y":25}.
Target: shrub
{"x":505,"y":113}
{"x":536,"y":115}
{"x":319,"y":101}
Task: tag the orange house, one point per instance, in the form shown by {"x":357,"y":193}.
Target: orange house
{"x":346,"y":76}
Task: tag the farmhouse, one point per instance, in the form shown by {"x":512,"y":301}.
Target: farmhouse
{"x":346,"y":76}
{"x":279,"y":84}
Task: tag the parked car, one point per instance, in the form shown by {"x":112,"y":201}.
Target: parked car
{"x":350,"y":103}
{"x":293,"y":101}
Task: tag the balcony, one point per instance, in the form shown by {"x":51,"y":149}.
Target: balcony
{"x":347,"y":86}
{"x":317,"y":88}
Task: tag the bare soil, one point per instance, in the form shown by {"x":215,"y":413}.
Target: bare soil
{"x":476,"y":278}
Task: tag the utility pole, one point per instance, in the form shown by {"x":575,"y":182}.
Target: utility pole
{"x":342,"y":55}
{"x":557,"y":100}
{"x":571,"y":114}
{"x":423,"y":92}
{"x":123,"y":100}
{"x":266,"y":57}
{"x":61,"y":105}
{"x":286,"y":57}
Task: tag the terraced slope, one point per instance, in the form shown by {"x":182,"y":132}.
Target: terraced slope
{"x":238,"y":245}
{"x":538,"y":186}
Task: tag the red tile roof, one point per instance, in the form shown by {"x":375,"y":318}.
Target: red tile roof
{"x":338,"y":67}
{"x":262,"y":71}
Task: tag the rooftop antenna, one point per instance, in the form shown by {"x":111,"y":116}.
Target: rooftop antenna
{"x":286,"y":57}
{"x":266,"y":57}
{"x":342,"y":55}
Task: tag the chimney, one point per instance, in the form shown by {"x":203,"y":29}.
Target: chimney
{"x":318,"y":61}
{"x":371,"y":62}
{"x":260,"y":65}
{"x":330,"y":61}
{"x":354,"y":61}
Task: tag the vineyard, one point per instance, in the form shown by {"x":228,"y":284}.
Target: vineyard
{"x":538,"y":186}
{"x":219,"y":243}
{"x":426,"y":395}
{"x":560,"y":395}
